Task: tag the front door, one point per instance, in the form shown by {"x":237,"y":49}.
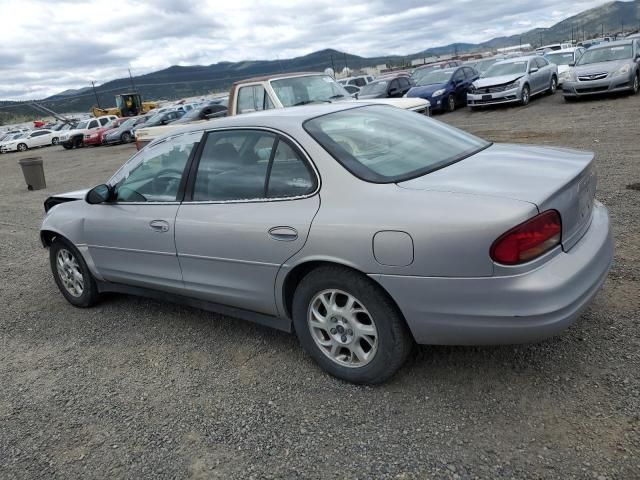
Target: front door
{"x":250,"y":209}
{"x":131,"y":240}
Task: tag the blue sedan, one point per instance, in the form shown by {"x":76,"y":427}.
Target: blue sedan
{"x":446,"y":89}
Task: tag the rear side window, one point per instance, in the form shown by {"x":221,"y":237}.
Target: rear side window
{"x":253,"y":98}
{"x":93,"y":124}
{"x":386,"y":144}
{"x":104,"y":121}
{"x":240,"y":165}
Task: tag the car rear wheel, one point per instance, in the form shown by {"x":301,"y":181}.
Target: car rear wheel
{"x":22,"y":147}
{"x":525,"y":96}
{"x":77,"y":142}
{"x":553,"y":86}
{"x":348,"y":324}
{"x":71,"y":274}
{"x":55,"y":141}
{"x":636,"y":83}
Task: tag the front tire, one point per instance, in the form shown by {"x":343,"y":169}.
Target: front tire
{"x":22,"y":147}
{"x":636,"y":84}
{"x":525,"y":96}
{"x":72,"y":275}
{"x":451,"y":103}
{"x":125,"y":137}
{"x":350,"y":327}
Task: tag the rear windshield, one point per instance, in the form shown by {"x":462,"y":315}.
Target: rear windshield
{"x":385,"y":144}
{"x":560,"y":58}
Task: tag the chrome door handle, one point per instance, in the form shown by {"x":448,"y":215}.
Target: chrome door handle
{"x":283,"y":234}
{"x":159,"y":226}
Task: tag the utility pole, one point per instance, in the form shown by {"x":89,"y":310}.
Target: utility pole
{"x":345,"y":61}
{"x":621,"y":27}
{"x":540,"y":37}
{"x":603,"y":30}
{"x":333,"y":66}
{"x":133,"y":85}
{"x":95,"y":92}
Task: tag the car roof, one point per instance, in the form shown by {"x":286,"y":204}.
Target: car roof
{"x":274,"y":118}
{"x":275,"y":76}
{"x":613,"y":44}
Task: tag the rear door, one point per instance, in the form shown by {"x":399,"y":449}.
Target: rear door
{"x":248,"y":209}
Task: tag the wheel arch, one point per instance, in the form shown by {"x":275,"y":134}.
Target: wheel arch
{"x":299,"y":271}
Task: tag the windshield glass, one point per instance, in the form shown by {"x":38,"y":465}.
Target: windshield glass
{"x":418,"y":74}
{"x":510,"y":68}
{"x":483,"y":65}
{"x":302,"y":90}
{"x":606,"y":54}
{"x":374,"y":88}
{"x":560,"y":58}
{"x":434,"y":76}
{"x":385,"y":144}
{"x":129,"y":122}
{"x":82,"y":125}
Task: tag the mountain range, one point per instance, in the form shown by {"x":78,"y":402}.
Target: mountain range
{"x":186,"y":81}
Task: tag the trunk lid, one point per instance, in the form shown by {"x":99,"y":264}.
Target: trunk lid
{"x":551,"y":178}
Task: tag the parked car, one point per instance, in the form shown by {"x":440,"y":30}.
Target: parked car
{"x":514,"y":81}
{"x":124,"y":132}
{"x":95,"y":138}
{"x":563,"y":59}
{"x":425,"y":69}
{"x":388,"y":87}
{"x":606,"y":68}
{"x":33,"y":139}
{"x":204,"y":112}
{"x":9,"y":138}
{"x":75,"y":138}
{"x":445,"y":89}
{"x":163,"y":118}
{"x":357,"y":81}
{"x":237,"y":226}
{"x":552,"y":48}
{"x":353,"y":90}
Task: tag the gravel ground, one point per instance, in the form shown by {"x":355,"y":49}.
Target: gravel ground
{"x":136,"y":388}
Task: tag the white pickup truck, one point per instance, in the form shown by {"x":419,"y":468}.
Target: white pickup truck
{"x":75,"y":138}
{"x":283,"y":91}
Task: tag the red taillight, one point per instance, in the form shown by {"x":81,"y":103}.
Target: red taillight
{"x":528,"y":240}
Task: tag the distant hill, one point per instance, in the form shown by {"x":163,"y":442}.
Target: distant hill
{"x":177,"y":81}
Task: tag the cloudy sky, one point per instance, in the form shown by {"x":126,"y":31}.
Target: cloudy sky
{"x":47,"y":46}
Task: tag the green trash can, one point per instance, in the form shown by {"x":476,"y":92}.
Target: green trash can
{"x":33,"y":172}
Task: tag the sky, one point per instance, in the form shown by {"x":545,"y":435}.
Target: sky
{"x":47,"y":46}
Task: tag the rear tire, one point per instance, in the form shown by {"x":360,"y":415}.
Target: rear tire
{"x":55,"y":141}
{"x":125,"y":137}
{"x":72,"y":275}
{"x":553,"y":86}
{"x":365,"y":343}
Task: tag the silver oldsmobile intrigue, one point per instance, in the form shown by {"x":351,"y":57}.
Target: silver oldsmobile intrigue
{"x":363,"y":228}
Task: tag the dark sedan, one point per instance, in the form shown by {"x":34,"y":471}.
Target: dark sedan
{"x":163,"y":118}
{"x":387,"y":87}
{"x":206,"y":112}
{"x":124,"y":132}
{"x":446,"y":89}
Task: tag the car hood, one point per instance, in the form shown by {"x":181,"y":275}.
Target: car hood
{"x":59,"y":198}
{"x":499,"y":80}
{"x":373,"y":95}
{"x":426,"y":90}
{"x":600,"y":67}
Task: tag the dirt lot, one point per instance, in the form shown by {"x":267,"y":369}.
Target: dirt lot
{"x":135,"y":388}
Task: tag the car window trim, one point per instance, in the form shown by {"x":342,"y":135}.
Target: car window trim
{"x":280,"y":135}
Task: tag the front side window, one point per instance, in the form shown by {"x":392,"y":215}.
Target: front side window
{"x":385,"y":144}
{"x":93,"y":124}
{"x":154,"y":174}
{"x":458,"y":76}
{"x":104,"y":121}
{"x":253,"y":98}
{"x":241,"y":165}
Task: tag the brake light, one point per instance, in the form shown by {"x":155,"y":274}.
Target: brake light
{"x":528,"y":240}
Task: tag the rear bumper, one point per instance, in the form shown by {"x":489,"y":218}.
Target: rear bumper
{"x":509,"y":309}
{"x":597,"y":87}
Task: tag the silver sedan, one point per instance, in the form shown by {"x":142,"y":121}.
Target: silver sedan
{"x":363,"y":228}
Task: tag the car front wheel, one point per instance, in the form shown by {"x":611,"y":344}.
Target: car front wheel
{"x":451,"y":103}
{"x":54,"y":141}
{"x":22,"y":147}
{"x":525,"y":95}
{"x":72,"y":275}
{"x":349,"y":326}
{"x":553,"y":86}
{"x":636,"y":83}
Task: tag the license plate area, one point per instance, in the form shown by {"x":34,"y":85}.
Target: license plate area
{"x":487,"y":97}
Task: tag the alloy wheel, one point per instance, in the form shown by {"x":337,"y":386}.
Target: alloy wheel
{"x":525,"y":95}
{"x":342,"y":328}
{"x":22,"y":147}
{"x":69,"y":272}
{"x":452,"y":103}
{"x":554,"y":85}
{"x":636,"y":84}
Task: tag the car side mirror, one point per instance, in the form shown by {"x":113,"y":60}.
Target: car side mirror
{"x":99,"y":194}
{"x":533,"y":70}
